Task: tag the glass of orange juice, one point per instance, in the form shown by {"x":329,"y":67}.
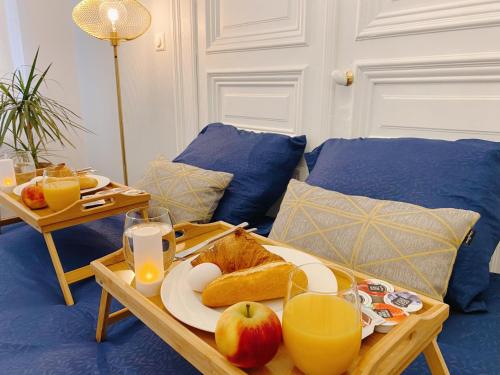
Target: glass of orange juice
{"x":60,"y":192}
{"x":322,"y":319}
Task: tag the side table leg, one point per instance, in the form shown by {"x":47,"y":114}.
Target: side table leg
{"x":435,"y":359}
{"x":56,"y":262}
{"x":102,"y":318}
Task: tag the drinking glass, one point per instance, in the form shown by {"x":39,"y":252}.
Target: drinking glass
{"x":60,"y":192}
{"x":321,"y":319}
{"x":24,"y":166}
{"x":149,"y":216}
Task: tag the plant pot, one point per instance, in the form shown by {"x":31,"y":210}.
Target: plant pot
{"x":41,"y":167}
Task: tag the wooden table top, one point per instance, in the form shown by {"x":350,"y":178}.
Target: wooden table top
{"x":380,"y":353}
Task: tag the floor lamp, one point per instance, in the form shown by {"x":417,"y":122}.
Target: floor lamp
{"x":116,"y":21}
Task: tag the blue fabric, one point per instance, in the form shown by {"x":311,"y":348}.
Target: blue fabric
{"x":264,"y":225}
{"x":431,"y":173}
{"x":470,"y":343}
{"x":39,"y":334}
{"x":262,"y":165}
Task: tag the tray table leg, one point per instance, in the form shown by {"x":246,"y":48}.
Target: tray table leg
{"x":102,"y":318}
{"x":56,"y":262}
{"x":435,"y":359}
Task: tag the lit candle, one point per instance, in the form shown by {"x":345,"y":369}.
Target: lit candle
{"x":148,"y":259}
{"x":148,"y":272}
{"x":7,"y":175}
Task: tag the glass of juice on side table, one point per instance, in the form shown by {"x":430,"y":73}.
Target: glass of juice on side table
{"x":321,"y":319}
{"x":60,"y":189}
{"x":24,"y":166}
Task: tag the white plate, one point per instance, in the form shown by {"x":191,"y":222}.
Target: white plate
{"x":101,"y":182}
{"x":185,"y":304}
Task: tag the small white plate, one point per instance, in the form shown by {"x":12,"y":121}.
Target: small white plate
{"x":185,"y":304}
{"x":101,"y":182}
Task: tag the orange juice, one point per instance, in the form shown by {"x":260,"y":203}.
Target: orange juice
{"x":61,"y":192}
{"x":24,"y":177}
{"x":321,"y":332}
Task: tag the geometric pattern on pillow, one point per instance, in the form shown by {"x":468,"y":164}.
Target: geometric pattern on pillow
{"x":408,"y":245}
{"x":190,"y":193}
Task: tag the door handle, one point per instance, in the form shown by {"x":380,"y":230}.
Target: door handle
{"x":343,"y":78}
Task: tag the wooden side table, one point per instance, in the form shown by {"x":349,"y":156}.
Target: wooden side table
{"x":388,"y":353}
{"x":47,"y":221}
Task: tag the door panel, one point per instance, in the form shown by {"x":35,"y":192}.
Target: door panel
{"x":259,"y":67}
{"x":438,"y":97}
{"x":257,"y":100}
{"x":238,"y":25}
{"x":385,"y":18}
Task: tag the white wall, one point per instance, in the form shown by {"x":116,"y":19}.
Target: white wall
{"x":5,"y":54}
{"x":5,"y":58}
{"x":83,"y":68}
{"x":46,"y":24}
{"x":147,"y":98}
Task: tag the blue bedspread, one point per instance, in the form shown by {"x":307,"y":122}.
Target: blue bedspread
{"x":40,"y":335}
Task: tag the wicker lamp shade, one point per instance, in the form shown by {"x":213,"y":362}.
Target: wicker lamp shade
{"x":113,"y":20}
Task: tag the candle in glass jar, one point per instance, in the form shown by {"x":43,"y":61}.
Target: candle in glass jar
{"x":148,"y":259}
{"x":7,"y":175}
{"x":148,"y":272}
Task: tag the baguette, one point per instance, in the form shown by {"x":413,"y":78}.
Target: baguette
{"x":259,"y":283}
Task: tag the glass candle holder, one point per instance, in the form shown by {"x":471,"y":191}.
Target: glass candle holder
{"x":148,"y":259}
{"x":321,"y":319}
{"x":158,"y":217}
{"x":7,"y":175}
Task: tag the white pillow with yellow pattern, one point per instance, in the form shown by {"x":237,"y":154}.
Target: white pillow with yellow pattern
{"x":412,"y":246}
{"x":190,"y":193}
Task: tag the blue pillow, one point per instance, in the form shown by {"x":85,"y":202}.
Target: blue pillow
{"x":262,"y":165}
{"x":431,"y":173}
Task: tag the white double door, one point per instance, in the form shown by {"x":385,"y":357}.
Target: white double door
{"x":424,"y":68}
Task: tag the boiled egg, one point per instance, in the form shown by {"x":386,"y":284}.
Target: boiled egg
{"x":201,"y":275}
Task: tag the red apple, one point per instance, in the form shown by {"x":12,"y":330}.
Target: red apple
{"x":248,"y":334}
{"x":32,"y":196}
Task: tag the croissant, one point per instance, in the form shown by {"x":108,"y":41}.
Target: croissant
{"x":235,"y":252}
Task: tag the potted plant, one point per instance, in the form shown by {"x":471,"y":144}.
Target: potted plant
{"x":31,"y":121}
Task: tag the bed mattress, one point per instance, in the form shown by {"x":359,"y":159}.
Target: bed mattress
{"x":40,"y":334}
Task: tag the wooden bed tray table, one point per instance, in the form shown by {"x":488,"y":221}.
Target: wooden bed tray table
{"x":380,"y":353}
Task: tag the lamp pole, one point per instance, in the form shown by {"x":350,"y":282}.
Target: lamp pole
{"x":114,"y":43}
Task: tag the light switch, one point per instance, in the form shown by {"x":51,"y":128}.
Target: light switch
{"x":160,"y":41}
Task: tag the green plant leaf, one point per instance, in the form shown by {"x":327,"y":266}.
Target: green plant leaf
{"x":31,"y":76}
{"x":33,"y":119}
